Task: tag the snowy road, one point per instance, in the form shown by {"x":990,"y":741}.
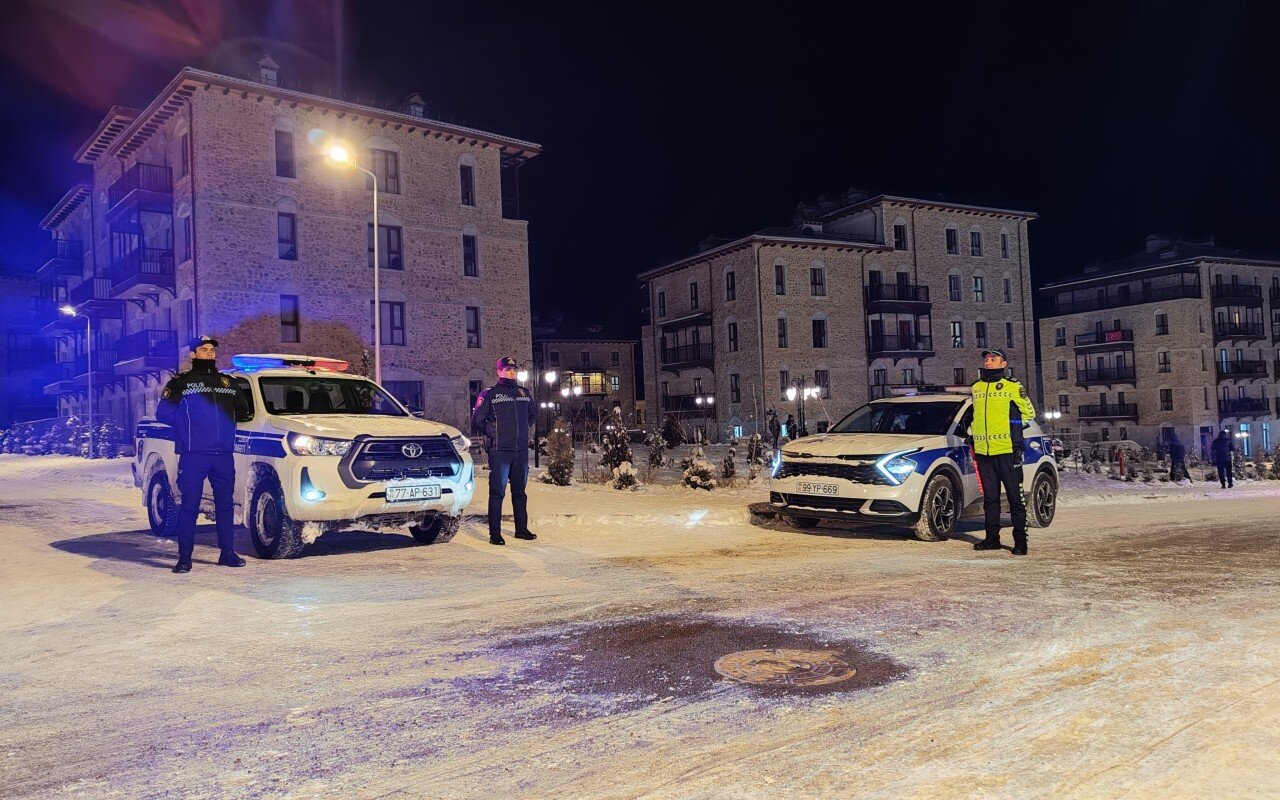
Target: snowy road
{"x":1135,"y":653}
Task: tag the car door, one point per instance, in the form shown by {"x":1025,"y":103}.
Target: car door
{"x":963,"y":452}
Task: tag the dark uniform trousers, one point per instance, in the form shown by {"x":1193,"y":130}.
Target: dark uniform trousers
{"x":193,"y":468}
{"x":1224,"y":474}
{"x":507,"y":467}
{"x":995,"y":471}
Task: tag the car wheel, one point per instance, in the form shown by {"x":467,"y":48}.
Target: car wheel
{"x":803,"y":523}
{"x":274,"y":533}
{"x":436,"y":529}
{"x":939,"y":509}
{"x":1042,"y":502}
{"x":162,"y":508}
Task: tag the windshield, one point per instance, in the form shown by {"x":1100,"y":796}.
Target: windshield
{"x":917,"y":418}
{"x":317,"y":395}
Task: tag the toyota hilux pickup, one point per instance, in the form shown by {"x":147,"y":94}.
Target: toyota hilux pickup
{"x":902,"y":461}
{"x":320,"y":450}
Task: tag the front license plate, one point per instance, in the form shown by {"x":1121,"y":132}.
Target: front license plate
{"x":408,"y":493}
{"x":806,"y":487}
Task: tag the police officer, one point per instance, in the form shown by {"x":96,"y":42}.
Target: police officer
{"x":504,"y":412}
{"x":201,"y":406}
{"x":1001,"y":409}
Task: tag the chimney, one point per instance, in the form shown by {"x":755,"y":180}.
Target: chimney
{"x":1157,"y":242}
{"x":269,"y":71}
{"x":414,"y":106}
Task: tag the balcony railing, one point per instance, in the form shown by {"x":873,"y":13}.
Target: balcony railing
{"x":65,"y":258}
{"x":1237,"y":330}
{"x":891,"y":343}
{"x":145,"y":266}
{"x":1229,"y":293}
{"x":1242,"y":368}
{"x":1105,"y":375}
{"x":1110,"y":411}
{"x":1066,"y":305}
{"x":92,"y":289}
{"x":686,"y":354}
{"x":1120,"y":338}
{"x":103,"y":361}
{"x":140,"y":177}
{"x":897,"y":292}
{"x":155,"y":344}
{"x":59,"y":373}
{"x":686,"y":402}
{"x":1243,"y":406}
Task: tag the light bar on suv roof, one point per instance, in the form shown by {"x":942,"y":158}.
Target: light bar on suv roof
{"x":912,"y":391}
{"x":253,"y":363}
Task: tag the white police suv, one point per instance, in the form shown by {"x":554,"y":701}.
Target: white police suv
{"x":320,"y":451}
{"x":901,"y":460}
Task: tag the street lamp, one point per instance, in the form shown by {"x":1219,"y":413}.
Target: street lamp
{"x":88,"y":344}
{"x":703,"y":402}
{"x":341,"y":155}
{"x":801,"y":390}
{"x":1052,"y":416}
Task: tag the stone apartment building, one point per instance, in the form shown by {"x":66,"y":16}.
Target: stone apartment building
{"x":213,"y":211}
{"x":1179,"y":337}
{"x":594,"y":366}
{"x":855,"y":298}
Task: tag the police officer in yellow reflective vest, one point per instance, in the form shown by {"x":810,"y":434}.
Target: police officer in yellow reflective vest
{"x":1001,"y":409}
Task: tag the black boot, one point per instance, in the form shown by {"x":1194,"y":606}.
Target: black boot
{"x":530,"y":535}
{"x":988,"y":544}
{"x":1019,"y":545}
{"x":496,"y":538}
{"x":183,"y":565}
{"x":230,"y":559}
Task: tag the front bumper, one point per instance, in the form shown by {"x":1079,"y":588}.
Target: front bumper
{"x":851,"y":501}
{"x":341,"y":502}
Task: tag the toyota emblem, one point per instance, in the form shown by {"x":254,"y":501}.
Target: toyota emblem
{"x":411,"y":450}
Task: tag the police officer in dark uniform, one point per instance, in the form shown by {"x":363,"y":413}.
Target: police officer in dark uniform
{"x":504,"y":412}
{"x":1001,"y":409}
{"x":201,"y":406}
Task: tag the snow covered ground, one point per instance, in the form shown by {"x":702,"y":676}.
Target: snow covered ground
{"x":1134,"y":653}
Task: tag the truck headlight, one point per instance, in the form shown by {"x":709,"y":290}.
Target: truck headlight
{"x":460,"y":443}
{"x":895,"y":467}
{"x":304,"y":445}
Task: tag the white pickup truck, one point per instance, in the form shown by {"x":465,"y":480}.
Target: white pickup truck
{"x":321,"y":451}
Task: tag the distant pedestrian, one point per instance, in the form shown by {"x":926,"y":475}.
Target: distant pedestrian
{"x":791,"y":427}
{"x":1223,"y":449}
{"x":1177,"y":458}
{"x":504,"y":412}
{"x":775,"y":427}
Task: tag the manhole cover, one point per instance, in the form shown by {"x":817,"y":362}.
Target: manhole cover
{"x":779,"y":667}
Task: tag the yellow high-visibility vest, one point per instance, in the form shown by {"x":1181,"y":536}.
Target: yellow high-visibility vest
{"x":998,"y":406}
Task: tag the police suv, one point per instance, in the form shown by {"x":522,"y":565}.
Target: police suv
{"x":904,"y":461}
{"x":320,"y":451}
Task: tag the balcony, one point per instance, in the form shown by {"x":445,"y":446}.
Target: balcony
{"x":1105,"y":376}
{"x":1243,"y":406}
{"x":147,"y":351}
{"x":686,"y":356}
{"x":67,"y":258}
{"x":1236,"y":294}
{"x":1242,"y":369}
{"x":1107,"y":412}
{"x":93,"y":297}
{"x":1275,"y":336}
{"x":1105,"y":340}
{"x":104,"y":367}
{"x":678,"y":403}
{"x":880,"y":345}
{"x":58,"y":378}
{"x":144,"y":271}
{"x":148,"y":185}
{"x":1064,"y":304}
{"x":1275,"y":296}
{"x":897,"y":296}
{"x":1249,"y":331}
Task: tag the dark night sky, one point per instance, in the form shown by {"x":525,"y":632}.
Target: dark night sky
{"x":665,"y":125}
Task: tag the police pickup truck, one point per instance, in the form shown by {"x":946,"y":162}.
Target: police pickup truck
{"x":320,"y":451}
{"x":902,"y":461}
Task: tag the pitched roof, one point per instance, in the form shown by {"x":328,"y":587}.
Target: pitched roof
{"x":1177,"y":253}
{"x":794,"y":235}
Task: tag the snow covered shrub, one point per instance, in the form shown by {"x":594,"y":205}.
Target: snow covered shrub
{"x":617,"y":446}
{"x":753,"y":472}
{"x":1274,"y":472}
{"x":755,"y":449}
{"x":698,"y":474}
{"x":727,"y":467}
{"x":559,"y":455}
{"x":624,"y":477}
{"x":672,"y":432}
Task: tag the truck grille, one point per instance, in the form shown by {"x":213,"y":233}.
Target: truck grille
{"x":384,"y":459}
{"x":859,"y":473}
{"x":845,"y":504}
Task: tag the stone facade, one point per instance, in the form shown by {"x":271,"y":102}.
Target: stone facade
{"x":869,"y":278}
{"x":1181,"y":338}
{"x":263,"y":243}
{"x":605,"y":369}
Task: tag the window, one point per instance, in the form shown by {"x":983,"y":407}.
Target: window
{"x":953,"y":284}
{"x":615,"y":384}
{"x":290,"y":324}
{"x":953,"y":242}
{"x":1008,"y":290}
{"x":817,"y":281}
{"x":697,"y":385}
{"x":733,"y":337}
{"x":1008,"y":334}
{"x":899,"y":236}
{"x":474,"y":388}
{"x":782,"y":331}
{"x":386,"y":165}
{"x":286,"y":236}
{"x":957,"y":376}
{"x":187,"y":235}
{"x":730,"y":286}
{"x":615,"y":359}
{"x":980,"y":333}
{"x":184,"y":155}
{"x":909,"y":376}
{"x":779,"y":279}
{"x":693,"y":295}
{"x":390,"y":248}
{"x":284,"y":155}
{"x":1062,"y":370}
{"x":467,"y":184}
{"x":1162,"y":324}
{"x":879,"y":377}
{"x":1166,"y":399}
{"x":1206,"y":398}
{"x":584,"y":358}
{"x":735,"y":389}
{"x":1059,"y":337}
{"x":470,"y":257}
{"x":784,"y":381}
{"x":957,"y":334}
{"x":975,"y":243}
{"x":822,"y":379}
{"x":662,"y":304}
{"x":1004,"y":245}
{"x":1064,"y":403}
{"x":1162,"y":361}
{"x":473,"y":326}
{"x":979,"y":289}
{"x":391,"y":322}
{"x":819,"y":333}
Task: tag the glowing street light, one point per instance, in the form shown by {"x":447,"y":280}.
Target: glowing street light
{"x":88,"y":344}
{"x":549,"y":376}
{"x":522,"y":375}
{"x":340,"y":155}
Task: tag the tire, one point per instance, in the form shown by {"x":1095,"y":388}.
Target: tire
{"x":1042,"y":500}
{"x":939,"y":510}
{"x":436,"y":529}
{"x":274,"y":533}
{"x":162,"y":508}
{"x":803,"y":523}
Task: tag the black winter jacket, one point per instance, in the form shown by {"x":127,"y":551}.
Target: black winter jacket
{"x":201,"y":406}
{"x":1222,"y":450}
{"x":504,"y":413}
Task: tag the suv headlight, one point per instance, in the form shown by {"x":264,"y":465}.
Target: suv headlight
{"x":777,"y":464}
{"x":460,"y":443}
{"x":895,"y":467}
{"x":304,"y":445}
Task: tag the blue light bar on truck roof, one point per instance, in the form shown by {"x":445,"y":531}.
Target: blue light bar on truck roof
{"x":253,"y":363}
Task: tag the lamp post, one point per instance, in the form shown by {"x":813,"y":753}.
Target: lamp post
{"x":339,"y":154}
{"x":703,"y":402}
{"x":801,"y":390}
{"x":88,"y":344}
{"x":1052,"y":416}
